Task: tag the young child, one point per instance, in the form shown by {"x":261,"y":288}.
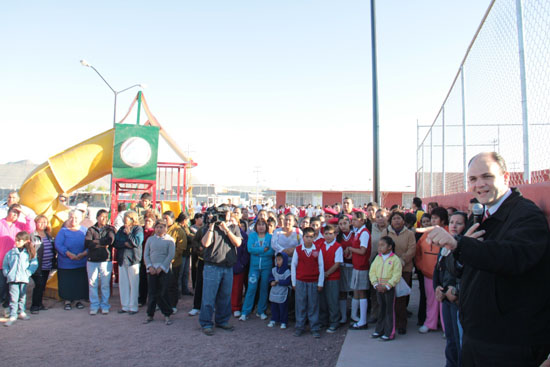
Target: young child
{"x":329,"y":313}
{"x":158,"y":255}
{"x":280,"y":282}
{"x":19,"y":264}
{"x":316,"y":224}
{"x":345,"y":239}
{"x":385,"y":273}
{"x":307,"y":272}
{"x":360,"y":251}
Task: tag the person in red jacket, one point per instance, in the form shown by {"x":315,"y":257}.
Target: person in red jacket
{"x":333,"y":257}
{"x":360,"y":255}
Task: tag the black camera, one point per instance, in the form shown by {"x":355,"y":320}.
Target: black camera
{"x":215,"y":215}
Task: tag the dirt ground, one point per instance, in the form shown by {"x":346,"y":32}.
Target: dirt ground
{"x":74,"y":338}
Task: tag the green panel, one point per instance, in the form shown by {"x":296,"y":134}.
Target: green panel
{"x":133,"y":145}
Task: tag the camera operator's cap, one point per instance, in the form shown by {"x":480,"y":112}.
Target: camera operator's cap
{"x":331,"y":211}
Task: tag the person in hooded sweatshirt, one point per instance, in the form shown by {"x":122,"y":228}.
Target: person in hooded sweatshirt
{"x":280,"y":284}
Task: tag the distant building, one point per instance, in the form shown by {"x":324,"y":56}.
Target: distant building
{"x":327,"y":197}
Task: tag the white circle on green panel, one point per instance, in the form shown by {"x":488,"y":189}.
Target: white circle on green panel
{"x":135,"y":152}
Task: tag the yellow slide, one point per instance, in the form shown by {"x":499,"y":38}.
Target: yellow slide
{"x":66,"y":172}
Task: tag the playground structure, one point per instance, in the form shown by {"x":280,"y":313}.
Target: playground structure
{"x":129,"y":153}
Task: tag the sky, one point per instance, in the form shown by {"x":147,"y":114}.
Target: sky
{"x":281,"y":87}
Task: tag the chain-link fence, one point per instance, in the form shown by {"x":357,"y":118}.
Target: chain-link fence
{"x":499,"y":101}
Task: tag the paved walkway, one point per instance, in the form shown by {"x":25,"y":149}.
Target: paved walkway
{"x":412,"y":349}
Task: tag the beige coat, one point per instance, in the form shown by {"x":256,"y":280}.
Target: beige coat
{"x":405,"y":246}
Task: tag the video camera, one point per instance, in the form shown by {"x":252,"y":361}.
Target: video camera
{"x":215,"y":214}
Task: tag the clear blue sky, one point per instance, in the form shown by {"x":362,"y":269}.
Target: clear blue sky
{"x":284,"y":85}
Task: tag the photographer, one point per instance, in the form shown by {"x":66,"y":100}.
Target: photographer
{"x":220,"y":244}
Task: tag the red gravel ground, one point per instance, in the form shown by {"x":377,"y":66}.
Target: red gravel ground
{"x":74,"y":338}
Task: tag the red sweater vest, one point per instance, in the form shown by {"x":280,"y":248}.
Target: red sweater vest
{"x":361,"y":262}
{"x":328,"y":259}
{"x":308,"y":266}
{"x":346,"y":243}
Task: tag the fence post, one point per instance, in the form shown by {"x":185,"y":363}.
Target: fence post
{"x":443,"y":150}
{"x":524,"y":118}
{"x":464,"y":167}
{"x":423,"y":175}
{"x":431,"y":163}
{"x":416,"y":180}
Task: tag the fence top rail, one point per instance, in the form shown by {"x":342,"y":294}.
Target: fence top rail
{"x":461,"y":66}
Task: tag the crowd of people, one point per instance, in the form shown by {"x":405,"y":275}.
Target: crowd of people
{"x":479,"y":278}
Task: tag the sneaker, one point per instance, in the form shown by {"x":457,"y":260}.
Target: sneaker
{"x":167,"y":321}
{"x":104,"y":312}
{"x":271,"y":324}
{"x":148,"y":320}
{"x":174,"y":310}
{"x":24,"y":316}
{"x":385,"y":338}
{"x":208,"y":331}
{"x":331,"y":329}
{"x":237,"y":313}
{"x":10,"y":321}
{"x":298,"y":332}
{"x":35,"y":310}
{"x":375,"y":335}
{"x":194,"y":312}
{"x":225,"y":327}
{"x":243,"y":318}
{"x":283,"y":326}
{"x":93,"y":312}
{"x":262,"y":316}
{"x":316,"y":334}
{"x":423,"y":329}
{"x":359,"y":327}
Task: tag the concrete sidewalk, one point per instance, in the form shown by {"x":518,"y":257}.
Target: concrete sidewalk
{"x":411,"y":349}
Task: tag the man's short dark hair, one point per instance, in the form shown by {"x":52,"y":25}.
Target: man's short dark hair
{"x":145,"y":196}
{"x":410,"y":219}
{"x":169,"y":213}
{"x":100,"y":211}
{"x":417,"y":202}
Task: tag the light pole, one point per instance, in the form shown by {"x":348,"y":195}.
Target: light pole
{"x":116,"y":93}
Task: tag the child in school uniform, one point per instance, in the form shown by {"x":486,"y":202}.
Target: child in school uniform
{"x":329,"y":313}
{"x":345,"y":238}
{"x":307,"y":273}
{"x":18,"y":266}
{"x":384,"y":274}
{"x":360,"y":255}
{"x":278,"y":296}
{"x":316,"y":224}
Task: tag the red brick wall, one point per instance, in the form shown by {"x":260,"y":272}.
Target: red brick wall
{"x":391,"y":198}
{"x":280,"y":198}
{"x":330,"y":198}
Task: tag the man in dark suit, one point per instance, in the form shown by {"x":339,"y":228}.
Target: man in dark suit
{"x":504,"y":300}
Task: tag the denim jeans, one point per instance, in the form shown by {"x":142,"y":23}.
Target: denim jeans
{"x":256,"y":276}
{"x":18,"y":296}
{"x":216,"y":295}
{"x":99,"y":272}
{"x":4,"y":295}
{"x":184,"y":275}
{"x":452,"y":334}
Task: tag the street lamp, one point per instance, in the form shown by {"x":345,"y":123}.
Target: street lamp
{"x":116,"y":93}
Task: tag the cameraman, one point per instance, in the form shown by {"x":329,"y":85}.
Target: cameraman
{"x":220,"y":244}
